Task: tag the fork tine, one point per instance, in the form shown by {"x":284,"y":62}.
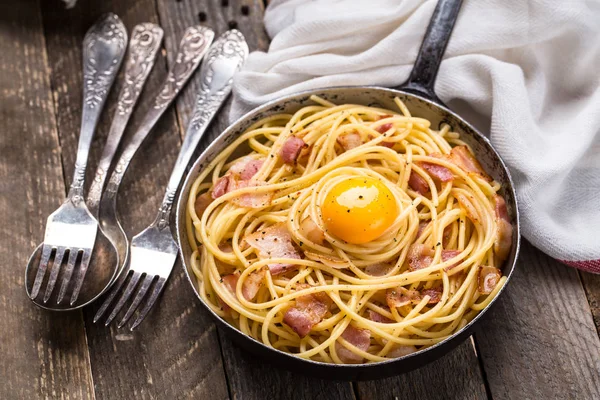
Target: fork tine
{"x":155,"y":293}
{"x":116,"y":289}
{"x":135,"y":277}
{"x":138,"y":299}
{"x":67,"y":275}
{"x":85,"y":262}
{"x":41,"y":272}
{"x":58,"y":259}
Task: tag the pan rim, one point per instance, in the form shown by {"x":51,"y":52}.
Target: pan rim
{"x":181,"y":234}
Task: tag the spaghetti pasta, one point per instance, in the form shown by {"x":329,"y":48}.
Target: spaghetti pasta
{"x":415,"y":258}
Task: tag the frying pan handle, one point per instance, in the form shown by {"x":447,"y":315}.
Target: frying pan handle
{"x":424,"y":72}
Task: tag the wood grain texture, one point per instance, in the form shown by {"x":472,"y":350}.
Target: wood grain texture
{"x":454,"y":376}
{"x":175,"y":352}
{"x":248,"y":378}
{"x":540,"y":341}
{"x":43,"y":354}
{"x":251,"y":378}
{"x":591,"y":283}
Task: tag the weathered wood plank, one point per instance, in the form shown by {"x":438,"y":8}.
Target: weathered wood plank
{"x":44,"y":354}
{"x":591,"y":283}
{"x":251,"y":377}
{"x":247,"y":378}
{"x":175,"y":352}
{"x":454,"y":376}
{"x":540,"y":342}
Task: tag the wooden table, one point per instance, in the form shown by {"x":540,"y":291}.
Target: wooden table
{"x":540,"y":342}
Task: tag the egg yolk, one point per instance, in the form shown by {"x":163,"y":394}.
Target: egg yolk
{"x":358,"y":210}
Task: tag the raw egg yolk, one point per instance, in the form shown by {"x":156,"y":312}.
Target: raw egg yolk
{"x":358,"y":210}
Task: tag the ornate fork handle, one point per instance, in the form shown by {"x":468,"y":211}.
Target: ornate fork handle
{"x":192,"y":48}
{"x":225,"y":57}
{"x":143,"y":48}
{"x":103,"y":50}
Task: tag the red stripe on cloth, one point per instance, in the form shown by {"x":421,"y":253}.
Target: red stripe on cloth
{"x":589,"y":265}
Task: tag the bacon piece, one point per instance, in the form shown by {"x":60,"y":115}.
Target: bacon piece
{"x":250,"y":200}
{"x":461,"y":156}
{"x":377,"y":269}
{"x":359,"y":338}
{"x":384,"y":128}
{"x":419,"y":256}
{"x":384,"y":116}
{"x":304,"y":155}
{"x":230,"y":282}
{"x":447,"y":255}
{"x":312,"y":231}
{"x":379,"y":296}
{"x":201,"y":203}
{"x":226,"y":247}
{"x":349,"y":141}
{"x":308,"y":311}
{"x":253,"y":200}
{"x":328,"y":260}
{"x":437,"y":172}
{"x":399,"y":297}
{"x":375,"y":316}
{"x":488,"y":279}
{"x":435,"y":295}
{"x":274,"y":242}
{"x":253,"y":283}
{"x":467,"y":206}
{"x":280,"y":269}
{"x":446,"y":235}
{"x":418,"y":184}
{"x":221,"y":186}
{"x":251,"y":169}
{"x":504,"y":230}
{"x":246,"y":167}
{"x":290,"y":151}
{"x":401,"y":351}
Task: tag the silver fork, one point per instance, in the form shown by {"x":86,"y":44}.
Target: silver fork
{"x":143,"y":48}
{"x":71,"y":229}
{"x":154,"y":251}
{"x":194,"y":45}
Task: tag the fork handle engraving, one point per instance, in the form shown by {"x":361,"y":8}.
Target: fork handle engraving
{"x":225,"y":57}
{"x":192,"y":48}
{"x":103,"y":50}
{"x":143,"y":48}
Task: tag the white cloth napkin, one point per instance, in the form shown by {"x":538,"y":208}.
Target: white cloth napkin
{"x":526,"y":72}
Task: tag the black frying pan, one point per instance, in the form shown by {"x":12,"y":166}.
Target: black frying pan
{"x":418,"y":95}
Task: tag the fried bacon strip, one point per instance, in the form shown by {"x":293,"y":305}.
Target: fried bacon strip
{"x":308,"y":311}
{"x":359,"y":338}
{"x":291,"y":149}
{"x":504,"y":230}
{"x":349,"y":141}
{"x":274,"y":242}
{"x":400,"y":296}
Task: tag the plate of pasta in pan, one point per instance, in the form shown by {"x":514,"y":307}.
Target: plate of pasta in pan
{"x":355,"y":232}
